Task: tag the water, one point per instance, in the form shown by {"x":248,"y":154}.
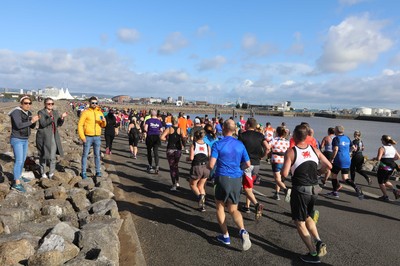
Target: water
{"x":371,"y":131}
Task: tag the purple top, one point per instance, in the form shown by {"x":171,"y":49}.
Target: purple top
{"x":154,"y":126}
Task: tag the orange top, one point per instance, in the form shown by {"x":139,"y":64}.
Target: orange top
{"x":182,"y":124}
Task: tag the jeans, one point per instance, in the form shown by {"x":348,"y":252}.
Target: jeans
{"x":95,"y":142}
{"x":20,"y":148}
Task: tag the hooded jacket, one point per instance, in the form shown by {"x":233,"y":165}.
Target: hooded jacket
{"x":90,"y":123}
{"x":21,"y":123}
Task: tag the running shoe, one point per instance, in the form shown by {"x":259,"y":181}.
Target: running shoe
{"x":257,"y":181}
{"x":315,"y":216}
{"x":334,"y":194}
{"x":157,"y":170}
{"x":177,"y":186}
{"x":98,"y":174}
{"x":173,"y":188}
{"x":276,"y":196}
{"x":26,"y":180}
{"x":321,"y":248}
{"x":245,"y":209}
{"x":384,"y":198}
{"x":201,"y":200}
{"x":151,"y":170}
{"x":246,"y":243}
{"x":396,"y":194}
{"x":339,"y":187}
{"x":310,"y":258}
{"x":359,"y":192}
{"x":224,"y":240}
{"x":19,"y":188}
{"x":258,"y":211}
{"x":44,"y":176}
{"x":134,"y":157}
{"x":287,"y":195}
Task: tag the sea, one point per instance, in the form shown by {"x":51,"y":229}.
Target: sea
{"x":371,"y":131}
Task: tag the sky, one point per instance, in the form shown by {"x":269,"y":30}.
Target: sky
{"x":315,"y":53}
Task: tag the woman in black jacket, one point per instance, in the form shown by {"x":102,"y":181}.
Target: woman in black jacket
{"x":109,"y":130}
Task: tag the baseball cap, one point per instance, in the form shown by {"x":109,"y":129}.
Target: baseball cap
{"x":197,"y":121}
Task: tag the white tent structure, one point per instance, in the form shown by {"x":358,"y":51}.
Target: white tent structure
{"x":56,"y":94}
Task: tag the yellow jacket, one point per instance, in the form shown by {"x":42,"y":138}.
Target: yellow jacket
{"x":90,"y":123}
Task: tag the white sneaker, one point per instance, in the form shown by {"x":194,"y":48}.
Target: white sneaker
{"x":51,"y":175}
{"x":173,"y":188}
{"x":44,"y":176}
{"x":246,"y":243}
{"x":287,"y":196}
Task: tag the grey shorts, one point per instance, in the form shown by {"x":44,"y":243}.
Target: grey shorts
{"x":199,"y":172}
{"x":227,"y":188}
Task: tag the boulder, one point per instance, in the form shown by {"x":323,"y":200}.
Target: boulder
{"x":98,"y":194}
{"x":13,"y":252}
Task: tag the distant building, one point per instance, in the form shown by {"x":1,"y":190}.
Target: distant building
{"x":201,"y":103}
{"x":55,"y":93}
{"x":180,"y":98}
{"x":121,"y":99}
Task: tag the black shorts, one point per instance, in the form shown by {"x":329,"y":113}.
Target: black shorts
{"x":133,"y":141}
{"x":383,"y":176}
{"x":301,"y":205}
{"x":227,"y":188}
{"x":336,"y":169}
{"x":328,"y":155}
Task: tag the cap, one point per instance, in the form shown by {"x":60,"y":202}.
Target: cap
{"x":197,"y":121}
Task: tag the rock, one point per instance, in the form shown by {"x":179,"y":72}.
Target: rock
{"x":12,"y":252}
{"x":78,"y":199}
{"x":108,"y":245}
{"x":52,"y":257}
{"x":105,"y":207}
{"x":56,"y":193}
{"x":87,"y":184}
{"x":68,"y":232}
{"x":48,"y":183}
{"x":98,"y":194}
{"x":38,"y":229}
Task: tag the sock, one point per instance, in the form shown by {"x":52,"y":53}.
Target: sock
{"x":226,"y":235}
{"x":334,"y":184}
{"x":351,"y":183}
{"x":241,"y":231}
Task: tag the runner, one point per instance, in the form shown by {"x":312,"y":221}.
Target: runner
{"x":153,"y":128}
{"x":228,"y":154}
{"x":326,"y":145}
{"x":199,"y":155}
{"x":134,"y":133}
{"x":341,"y":163}
{"x":387,"y":155}
{"x":182,"y":124}
{"x":279,"y":146}
{"x":257,"y":147}
{"x":174,"y":150}
{"x":302,"y":161}
{"x":357,"y":158}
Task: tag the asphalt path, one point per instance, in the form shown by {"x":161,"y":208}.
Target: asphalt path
{"x":173,"y":232}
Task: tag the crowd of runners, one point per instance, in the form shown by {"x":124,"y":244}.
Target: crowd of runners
{"x":229,"y":154}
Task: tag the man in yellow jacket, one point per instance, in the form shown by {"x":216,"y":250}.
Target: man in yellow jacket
{"x":90,"y":123}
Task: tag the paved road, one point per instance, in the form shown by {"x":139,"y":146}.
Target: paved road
{"x":173,"y":232}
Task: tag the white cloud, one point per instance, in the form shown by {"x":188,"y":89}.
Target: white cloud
{"x":128,"y":35}
{"x":297,"y":48}
{"x":203,"y":31}
{"x":214,"y":63}
{"x":173,"y":43}
{"x":253,"y":48}
{"x":350,"y":2}
{"x":395,"y":61}
{"x":355,"y":41}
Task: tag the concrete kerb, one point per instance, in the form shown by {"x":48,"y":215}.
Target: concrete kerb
{"x":128,"y":228}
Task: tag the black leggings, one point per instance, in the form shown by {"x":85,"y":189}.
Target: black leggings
{"x":152,"y":143}
{"x":109,"y":140}
{"x":356,"y":166}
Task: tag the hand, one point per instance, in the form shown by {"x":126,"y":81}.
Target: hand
{"x":64,"y":115}
{"x":35,"y":118}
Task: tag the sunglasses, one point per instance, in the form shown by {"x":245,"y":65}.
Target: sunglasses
{"x":94,"y":103}
{"x":26,"y":103}
{"x":49,"y":103}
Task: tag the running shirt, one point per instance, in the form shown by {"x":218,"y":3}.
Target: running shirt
{"x":230,"y":153}
{"x":328,"y":145}
{"x":279,"y":146}
{"x":253,"y":141}
{"x":154,"y":126}
{"x":182,"y":124}
{"x":357,"y":146}
{"x":304,"y":167}
{"x":269,"y":134}
{"x":388,"y":156}
{"x":309,"y":140}
{"x":200,"y":153}
{"x":342,"y":158}
{"x":174,"y":140}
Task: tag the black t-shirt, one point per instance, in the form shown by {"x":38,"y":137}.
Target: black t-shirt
{"x":253,"y":141}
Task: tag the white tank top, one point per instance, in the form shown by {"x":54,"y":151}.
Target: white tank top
{"x":303,"y":155}
{"x":390,"y":151}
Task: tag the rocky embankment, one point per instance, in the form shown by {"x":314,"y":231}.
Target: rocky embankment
{"x":60,"y":221}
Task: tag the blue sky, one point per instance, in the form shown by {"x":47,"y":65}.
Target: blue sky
{"x":315,"y":53}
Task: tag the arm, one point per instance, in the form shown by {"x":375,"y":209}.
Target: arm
{"x":164,"y":135}
{"x":325,"y":164}
{"x":212,"y":162}
{"x":267,"y":148}
{"x":381,"y":150}
{"x":17,"y":119}
{"x":81,"y":124}
{"x":289,"y":155}
{"x":335,"y":151}
{"x":191,"y":154}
